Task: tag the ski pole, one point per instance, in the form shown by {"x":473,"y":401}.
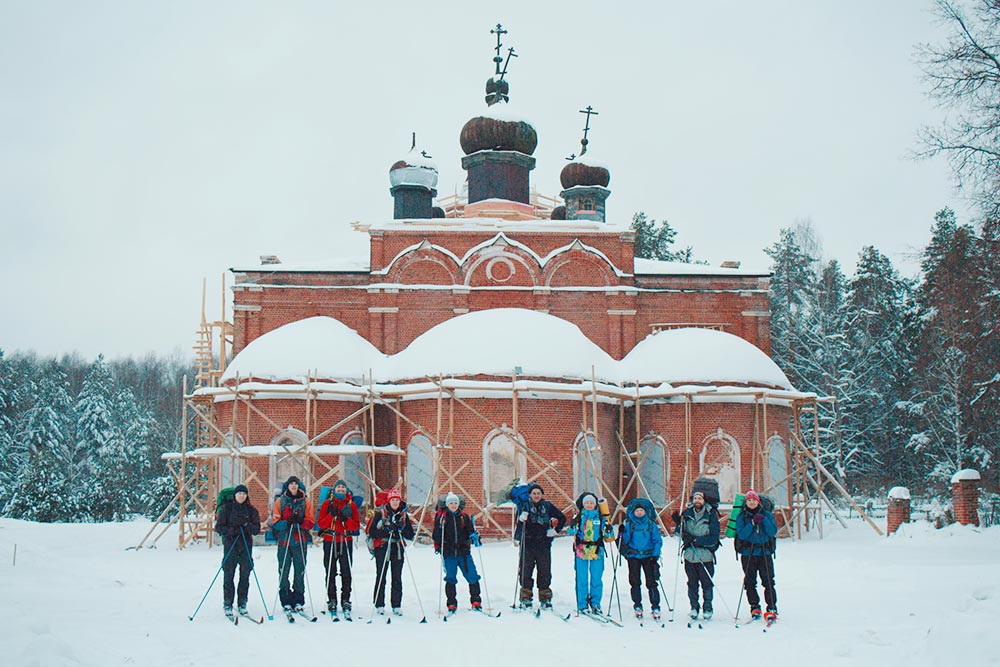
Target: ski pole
{"x":224,"y":559}
{"x":380,"y":580}
{"x":253,"y":569}
{"x":305,"y":570}
{"x":520,"y":567}
{"x":614,"y":584}
{"x":677,"y":563}
{"x":659,"y":582}
{"x":482,"y":566}
{"x":402,"y":554}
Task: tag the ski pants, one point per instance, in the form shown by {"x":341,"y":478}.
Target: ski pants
{"x":589,"y":583}
{"x":238,"y":557}
{"x":292,"y":557}
{"x":384,"y":571}
{"x":452,"y":564}
{"x":338,"y":555}
{"x":700,"y":574}
{"x":648,"y":567}
{"x":764,"y":566}
{"x":536,"y":555}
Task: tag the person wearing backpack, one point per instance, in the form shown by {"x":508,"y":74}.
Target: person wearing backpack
{"x":756,"y":531}
{"x":699,"y":526}
{"x":589,"y":530}
{"x":291,"y":520}
{"x":389,"y":528}
{"x":454,"y":536}
{"x":640,"y":543}
{"x":538,"y":521}
{"x":237,"y":522}
{"x":338,"y":522}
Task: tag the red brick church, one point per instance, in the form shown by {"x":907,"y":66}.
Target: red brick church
{"x":496,"y":340}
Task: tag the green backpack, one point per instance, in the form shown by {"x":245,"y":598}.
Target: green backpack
{"x":225,"y":495}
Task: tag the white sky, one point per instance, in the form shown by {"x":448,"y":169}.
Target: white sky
{"x":144,"y":146}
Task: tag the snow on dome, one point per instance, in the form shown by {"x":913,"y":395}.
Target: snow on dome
{"x":965,"y":475}
{"x":495,"y":341}
{"x":699,"y":355}
{"x":323,"y":345}
{"x":504,"y":111}
{"x":415,"y":158}
{"x":591,"y":160}
{"x":414,"y":169}
{"x":899,"y":493}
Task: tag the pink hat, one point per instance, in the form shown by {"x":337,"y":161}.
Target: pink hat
{"x":752,"y":495}
{"x":393,"y":493}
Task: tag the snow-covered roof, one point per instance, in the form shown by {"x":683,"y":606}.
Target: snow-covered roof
{"x":276,"y":450}
{"x":899,"y":493}
{"x":495,"y":341}
{"x":699,"y":355}
{"x":355,"y":264}
{"x":322,"y":346}
{"x":965,"y":475}
{"x":657,"y":267}
{"x":490,"y":224}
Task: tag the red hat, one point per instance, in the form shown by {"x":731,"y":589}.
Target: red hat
{"x":752,"y":495}
{"x":393,"y":493}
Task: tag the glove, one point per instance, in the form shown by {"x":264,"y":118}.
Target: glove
{"x":517,"y":543}
{"x":297,"y":519}
{"x":757,"y":519}
{"x":676,"y":517}
{"x":522,"y":517}
{"x":474,"y":540}
{"x":378,"y":526}
{"x":553,"y":522}
{"x":437,"y":549}
{"x":346,"y":512}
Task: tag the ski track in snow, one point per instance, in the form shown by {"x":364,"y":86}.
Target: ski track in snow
{"x":76,"y":596}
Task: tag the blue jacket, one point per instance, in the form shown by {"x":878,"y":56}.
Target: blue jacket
{"x":756,"y":540}
{"x":640,"y":538}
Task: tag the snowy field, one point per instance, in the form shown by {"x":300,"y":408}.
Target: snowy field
{"x":76,"y":596}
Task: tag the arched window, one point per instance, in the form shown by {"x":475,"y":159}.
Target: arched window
{"x":354,"y":465}
{"x":419,"y":470}
{"x":654,"y":469}
{"x":503,"y":462}
{"x":777,"y":469}
{"x":230,"y":467}
{"x":720,"y":460}
{"x":288,"y":460}
{"x":586,"y":465}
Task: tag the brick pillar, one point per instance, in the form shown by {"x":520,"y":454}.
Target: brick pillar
{"x":965,"y":497}
{"x":899,"y":509}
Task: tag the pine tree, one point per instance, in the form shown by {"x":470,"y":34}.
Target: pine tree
{"x":93,"y":417}
{"x":792,"y":288}
{"x":656,"y":241}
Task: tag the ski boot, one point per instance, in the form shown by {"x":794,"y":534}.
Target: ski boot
{"x":754,"y":613}
{"x":638,"y":611}
{"x":545,"y":604}
{"x":228,"y":611}
{"x":771,"y":615}
{"x":380,"y":611}
{"x":656,"y":613}
{"x":477,"y":606}
{"x":452,"y":608}
{"x":596,"y":609}
{"x":526,"y":603}
{"x":345,"y":609}
{"x":397,"y":611}
{"x":693,"y":614}
{"x":242,"y":609}
{"x":707,"y":614}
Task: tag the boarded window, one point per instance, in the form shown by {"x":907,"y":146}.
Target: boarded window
{"x":285,"y":464}
{"x":587,"y":465}
{"x":354,"y":466}
{"x":654,"y":469}
{"x":777,"y":468}
{"x":503,"y":462}
{"x":419,"y":470}
{"x":720,"y":460}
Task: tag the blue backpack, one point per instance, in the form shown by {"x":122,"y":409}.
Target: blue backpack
{"x":520,"y":495}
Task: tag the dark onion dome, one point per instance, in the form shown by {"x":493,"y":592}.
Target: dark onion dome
{"x":437,"y":212}
{"x":498,"y":129}
{"x":414,"y":169}
{"x":584,"y":170}
{"x":558,"y":213}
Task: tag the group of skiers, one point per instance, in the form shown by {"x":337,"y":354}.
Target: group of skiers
{"x":389,"y":528}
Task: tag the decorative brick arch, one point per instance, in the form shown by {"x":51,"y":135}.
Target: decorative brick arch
{"x":503,"y":461}
{"x":501,"y":264}
{"x":283,"y":465}
{"x":720,"y":460}
{"x":424,"y":264}
{"x":579,"y":267}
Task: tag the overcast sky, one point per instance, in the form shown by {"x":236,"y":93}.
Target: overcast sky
{"x":146,"y":145}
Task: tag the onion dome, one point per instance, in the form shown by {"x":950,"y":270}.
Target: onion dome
{"x":415,"y":169}
{"x":584,"y":170}
{"x":499,"y":130}
{"x":437,"y":212}
{"x":558,"y":213}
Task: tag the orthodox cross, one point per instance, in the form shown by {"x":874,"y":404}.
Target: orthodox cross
{"x":499,"y":31}
{"x":510,"y":54}
{"x":590,"y":112}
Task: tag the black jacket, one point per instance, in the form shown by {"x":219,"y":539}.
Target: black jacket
{"x":235,"y":518}
{"x":539,"y":521}
{"x":451,"y":533}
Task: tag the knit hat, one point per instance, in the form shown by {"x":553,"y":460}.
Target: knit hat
{"x":293,"y":478}
{"x":535,"y":485}
{"x":451,"y":498}
{"x":752,"y":495}
{"x":241,"y":488}
{"x":698,"y":493}
{"x":342,"y":483}
{"x":393,"y":493}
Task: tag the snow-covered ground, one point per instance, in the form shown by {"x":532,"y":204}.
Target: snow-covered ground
{"x":76,"y":596}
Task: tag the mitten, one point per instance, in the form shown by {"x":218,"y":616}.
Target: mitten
{"x":757,"y":519}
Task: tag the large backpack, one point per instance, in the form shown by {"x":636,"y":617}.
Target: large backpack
{"x":709,"y":488}
{"x":520,"y":494}
{"x":225,"y":495}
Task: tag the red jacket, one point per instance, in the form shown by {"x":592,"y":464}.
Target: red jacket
{"x":334,"y":527}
